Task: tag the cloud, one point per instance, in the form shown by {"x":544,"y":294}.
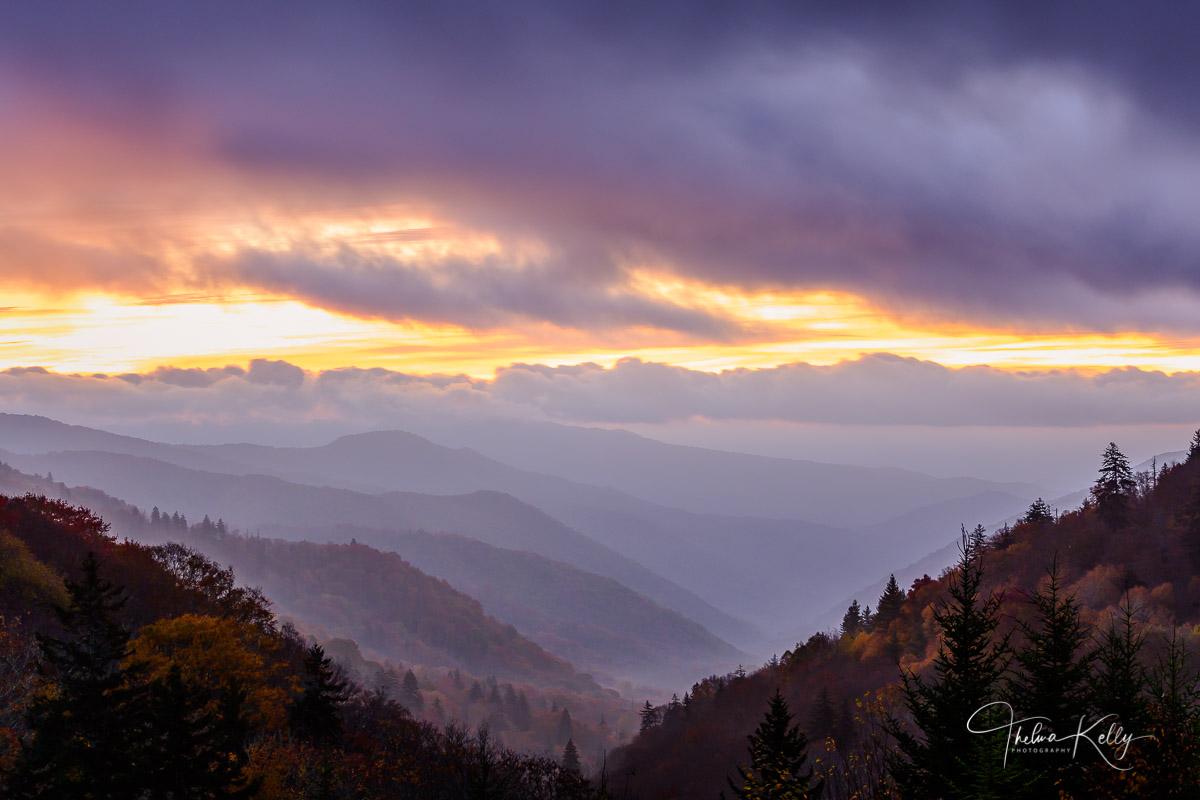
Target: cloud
{"x":875,"y":390}
{"x":1006,"y":163}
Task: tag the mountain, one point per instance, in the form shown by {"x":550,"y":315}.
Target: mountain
{"x":710,"y":481}
{"x":748,"y":566}
{"x":213,"y":665}
{"x":258,"y":501}
{"x":843,"y":688}
{"x":594,"y":622}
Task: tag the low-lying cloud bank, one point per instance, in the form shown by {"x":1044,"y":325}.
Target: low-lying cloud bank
{"x":873,"y":390}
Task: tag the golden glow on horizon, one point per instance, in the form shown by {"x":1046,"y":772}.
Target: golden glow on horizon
{"x":107,"y":333}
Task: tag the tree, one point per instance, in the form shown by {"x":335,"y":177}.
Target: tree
{"x":83,"y":731}
{"x":1038,"y":513}
{"x":649,"y":715}
{"x":1194,"y":447}
{"x":570,"y":758}
{"x":1172,"y":764}
{"x":565,"y":728}
{"x":823,"y":719}
{"x":1052,"y":679}
{"x":946,"y":760}
{"x":315,"y":715}
{"x":778,"y":752}
{"x":1112,"y":489}
{"x":411,"y":692}
{"x":189,"y":750}
{"x":1118,"y":685}
{"x":889,"y":606}
{"x":852,"y":620}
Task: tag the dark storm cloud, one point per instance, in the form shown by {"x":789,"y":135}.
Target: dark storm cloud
{"x":992,"y":161}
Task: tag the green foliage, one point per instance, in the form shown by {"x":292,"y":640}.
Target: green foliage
{"x":778,"y":752}
{"x":946,"y":760}
{"x":1171,"y":767}
{"x":1052,"y":678}
{"x":82,"y":731}
{"x":24,"y":580}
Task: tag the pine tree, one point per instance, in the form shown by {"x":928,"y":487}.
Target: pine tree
{"x":565,"y":729}
{"x":1118,"y":685}
{"x":1038,"y":513}
{"x":946,"y":760}
{"x":411,"y":692}
{"x":778,"y":752}
{"x":570,"y":759}
{"x":1118,"y":688}
{"x":852,"y":620}
{"x":890,"y":603}
{"x":1194,"y":447}
{"x":1171,"y":768}
{"x":1112,"y":489}
{"x":189,"y":750}
{"x":1052,"y":679}
{"x":823,"y":719}
{"x":84,"y":731}
{"x":649,"y":715}
{"x":868,"y":620}
{"x":315,"y":715}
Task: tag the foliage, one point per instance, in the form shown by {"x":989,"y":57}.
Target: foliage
{"x":778,"y":752}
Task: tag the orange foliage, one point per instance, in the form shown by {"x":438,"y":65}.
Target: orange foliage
{"x":212,"y":650}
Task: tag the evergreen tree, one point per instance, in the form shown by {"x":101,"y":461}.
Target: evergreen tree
{"x":155,"y":516}
{"x":1052,"y":679}
{"x":1039,"y":512}
{"x":570,"y":759}
{"x":889,"y":606}
{"x":1118,"y":688}
{"x":1194,"y":447}
{"x":867,"y":620}
{"x":823,"y":719}
{"x":1118,"y":685}
{"x":315,"y":715}
{"x":947,"y":761}
{"x":83,"y":731}
{"x":1112,"y":489}
{"x":852,"y":620}
{"x":188,"y":750}
{"x":1171,"y":768}
{"x":565,"y":729}
{"x":411,"y":692}
{"x":649,"y":715}
{"x":778,"y":751}
{"x":1003,"y":538}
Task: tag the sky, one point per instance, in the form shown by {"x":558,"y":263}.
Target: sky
{"x":922,"y":215}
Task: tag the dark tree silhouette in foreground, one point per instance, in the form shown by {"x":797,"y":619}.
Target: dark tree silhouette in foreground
{"x":778,"y":751}
{"x":81,"y":745}
{"x":315,"y":715}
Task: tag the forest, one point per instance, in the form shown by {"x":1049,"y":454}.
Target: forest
{"x":1057,"y":657}
{"x":1091,"y":614}
{"x":136,"y":671}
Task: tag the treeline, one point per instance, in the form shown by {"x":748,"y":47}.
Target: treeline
{"x":130,"y":671}
{"x":1089,"y":614}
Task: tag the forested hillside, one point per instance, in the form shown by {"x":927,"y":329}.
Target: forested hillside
{"x":129,"y":670}
{"x":1091,"y":613}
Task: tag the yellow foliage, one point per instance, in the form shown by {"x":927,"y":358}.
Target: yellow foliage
{"x":22,"y":575}
{"x":212,"y":650}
